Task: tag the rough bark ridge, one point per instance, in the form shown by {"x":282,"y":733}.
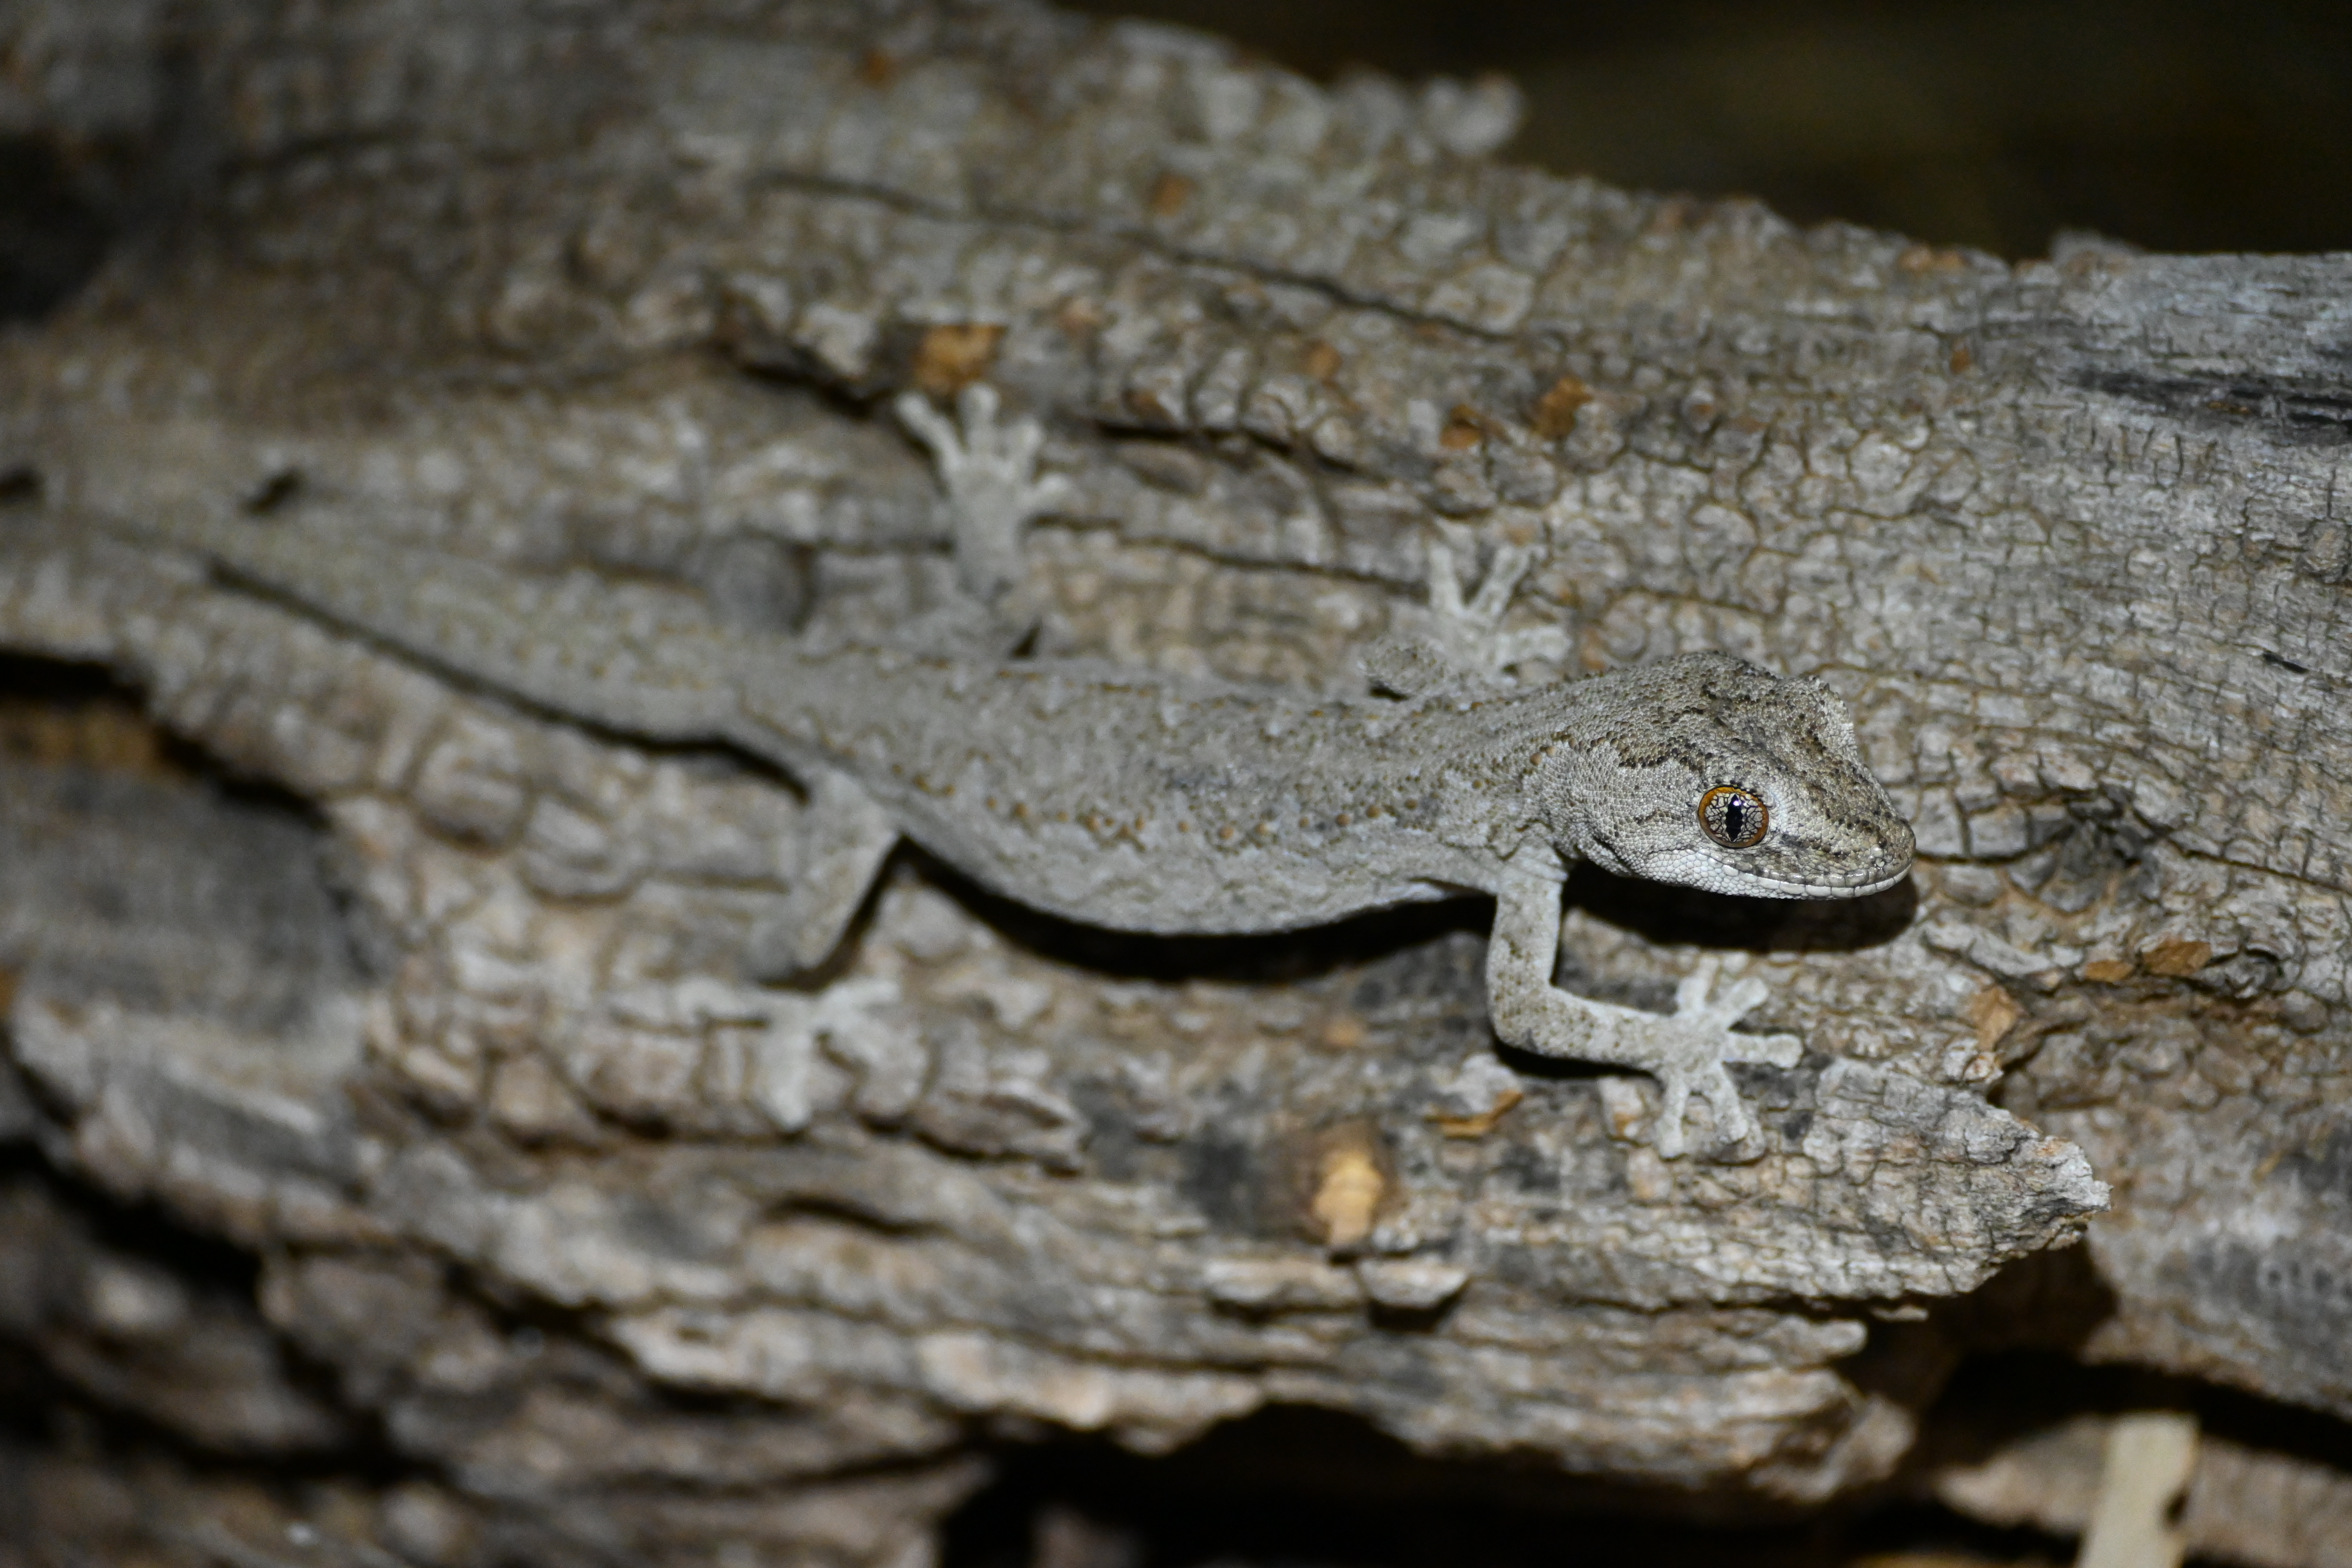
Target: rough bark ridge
{"x":631,"y":287}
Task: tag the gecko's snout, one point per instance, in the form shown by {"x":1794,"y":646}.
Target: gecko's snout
{"x":1829,"y":839}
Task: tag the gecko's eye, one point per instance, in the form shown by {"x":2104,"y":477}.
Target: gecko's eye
{"x":1733,"y":817}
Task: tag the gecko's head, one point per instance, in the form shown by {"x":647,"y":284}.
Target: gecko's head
{"x":1708,"y":772}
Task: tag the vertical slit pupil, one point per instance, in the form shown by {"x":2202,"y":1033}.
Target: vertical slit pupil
{"x":1732,"y":816}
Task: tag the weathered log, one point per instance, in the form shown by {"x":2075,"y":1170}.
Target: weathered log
{"x":632,"y":288}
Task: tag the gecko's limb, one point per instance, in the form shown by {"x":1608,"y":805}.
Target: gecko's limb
{"x":989,"y":469}
{"x":1684,"y":1051}
{"x":1460,"y":644}
{"x":845,"y":836}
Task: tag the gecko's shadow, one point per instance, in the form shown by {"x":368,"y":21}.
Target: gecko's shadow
{"x":1655,"y":913}
{"x":1266,"y":958}
{"x":1691,"y":916}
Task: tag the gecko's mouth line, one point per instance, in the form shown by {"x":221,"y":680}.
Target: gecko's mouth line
{"x":1854,"y":889}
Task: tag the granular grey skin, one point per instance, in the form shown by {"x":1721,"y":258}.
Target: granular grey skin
{"x":1173,"y":805}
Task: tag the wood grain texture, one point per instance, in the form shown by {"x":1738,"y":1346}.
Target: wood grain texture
{"x":630,"y":287}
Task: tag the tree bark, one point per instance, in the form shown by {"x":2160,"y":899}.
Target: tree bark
{"x":446,"y":1024}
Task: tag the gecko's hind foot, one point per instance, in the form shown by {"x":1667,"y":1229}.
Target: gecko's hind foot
{"x":1688,"y":1052}
{"x":988,"y":466}
{"x":1458,"y":644}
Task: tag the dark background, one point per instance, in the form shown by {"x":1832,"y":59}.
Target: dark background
{"x":2173,"y":124}
{"x":2186,"y":125}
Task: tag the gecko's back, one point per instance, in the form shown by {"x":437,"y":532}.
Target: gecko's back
{"x":1121,"y":798}
{"x":1140,"y":801}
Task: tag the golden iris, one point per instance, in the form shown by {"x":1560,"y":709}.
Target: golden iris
{"x":1733,"y":817}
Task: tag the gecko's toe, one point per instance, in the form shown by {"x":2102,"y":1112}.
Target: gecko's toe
{"x":976,"y":406}
{"x":927,"y":425}
{"x":1743,"y":998}
{"x":1771,"y":1050}
{"x":1692,"y":990}
{"x":1733,"y":1124}
{"x":1668,"y":1137}
{"x":1735,"y":1133}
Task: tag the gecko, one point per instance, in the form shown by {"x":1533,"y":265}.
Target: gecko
{"x":1153,"y":803}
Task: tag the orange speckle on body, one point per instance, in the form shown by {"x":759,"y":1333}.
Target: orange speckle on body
{"x":1147,"y":403}
{"x":1343,"y":1034}
{"x":1170,"y":194}
{"x":104,"y":736}
{"x":1994,"y":1013}
{"x":1923,"y":258}
{"x":2177,"y":956}
{"x":951,"y":357}
{"x":1465,"y":427}
{"x":1484,"y":1121}
{"x":1556,"y":410}
{"x":1347,"y":1192}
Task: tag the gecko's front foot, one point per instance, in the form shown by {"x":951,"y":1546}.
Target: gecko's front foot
{"x":1684,"y":1050}
{"x":1687,"y":1051}
{"x":988,"y":467}
{"x":1456,"y":645}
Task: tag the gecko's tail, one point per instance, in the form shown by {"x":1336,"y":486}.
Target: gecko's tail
{"x":643,"y":660}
